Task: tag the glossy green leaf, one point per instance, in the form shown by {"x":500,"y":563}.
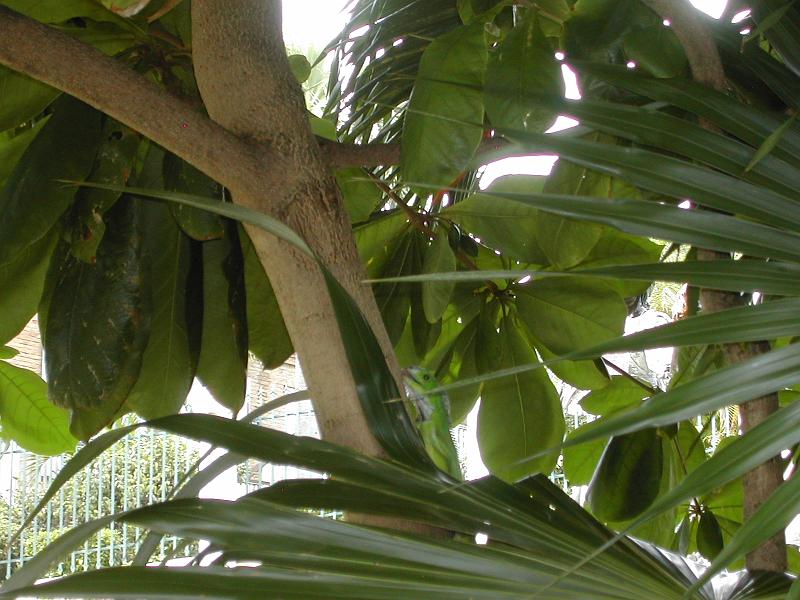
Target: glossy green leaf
{"x":394,"y":299}
{"x":377,"y":238}
{"x":519,"y":416}
{"x":222,"y":367}
{"x":570,"y":313}
{"x":505,"y":226}
{"x":709,"y":535}
{"x":32,"y":200}
{"x":521,"y":76}
{"x":567,"y":242}
{"x":439,"y":258}
{"x":23,"y":98}
{"x":267,"y":337}
{"x":28,"y":417}
{"x":98,"y":322}
{"x":167,"y":366}
{"x":439,"y":133}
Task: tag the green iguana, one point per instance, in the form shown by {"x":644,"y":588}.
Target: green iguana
{"x":433,"y":420}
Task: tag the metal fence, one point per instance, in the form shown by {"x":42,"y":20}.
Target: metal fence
{"x":140,"y":469}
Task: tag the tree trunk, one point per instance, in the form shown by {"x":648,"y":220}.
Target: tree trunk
{"x":247,"y":86}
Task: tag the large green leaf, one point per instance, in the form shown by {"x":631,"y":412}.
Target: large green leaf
{"x":519,"y":416}
{"x":567,"y":242}
{"x":223,"y":355}
{"x":570,"y":313}
{"x":28,"y":417}
{"x":98,"y":323}
{"x":628,"y":477}
{"x":440,"y":134}
{"x":439,"y":258}
{"x":266,"y":332}
{"x":32,"y":200}
{"x":503,"y":225}
{"x":168,"y":367}
{"x":522,"y":69}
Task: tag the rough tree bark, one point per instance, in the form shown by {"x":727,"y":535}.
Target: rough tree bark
{"x":760,"y":483}
{"x":248,"y":87}
{"x":264,"y":153}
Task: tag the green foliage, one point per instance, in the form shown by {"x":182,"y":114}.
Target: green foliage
{"x":450,"y":260}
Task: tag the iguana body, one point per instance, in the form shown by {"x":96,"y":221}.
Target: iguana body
{"x":433,"y":420}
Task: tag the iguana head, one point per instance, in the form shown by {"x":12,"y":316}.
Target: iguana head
{"x":420,"y":382}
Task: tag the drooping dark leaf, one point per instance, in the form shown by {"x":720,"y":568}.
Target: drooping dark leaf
{"x":168,"y":366}
{"x":266,"y":332}
{"x":223,"y":355}
{"x":709,"y":535}
{"x":114,"y":165}
{"x":98,"y":322}
{"x":628,"y":477}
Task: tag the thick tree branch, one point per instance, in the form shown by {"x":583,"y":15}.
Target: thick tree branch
{"x":760,"y":483}
{"x":340,"y":155}
{"x":71,"y":66}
